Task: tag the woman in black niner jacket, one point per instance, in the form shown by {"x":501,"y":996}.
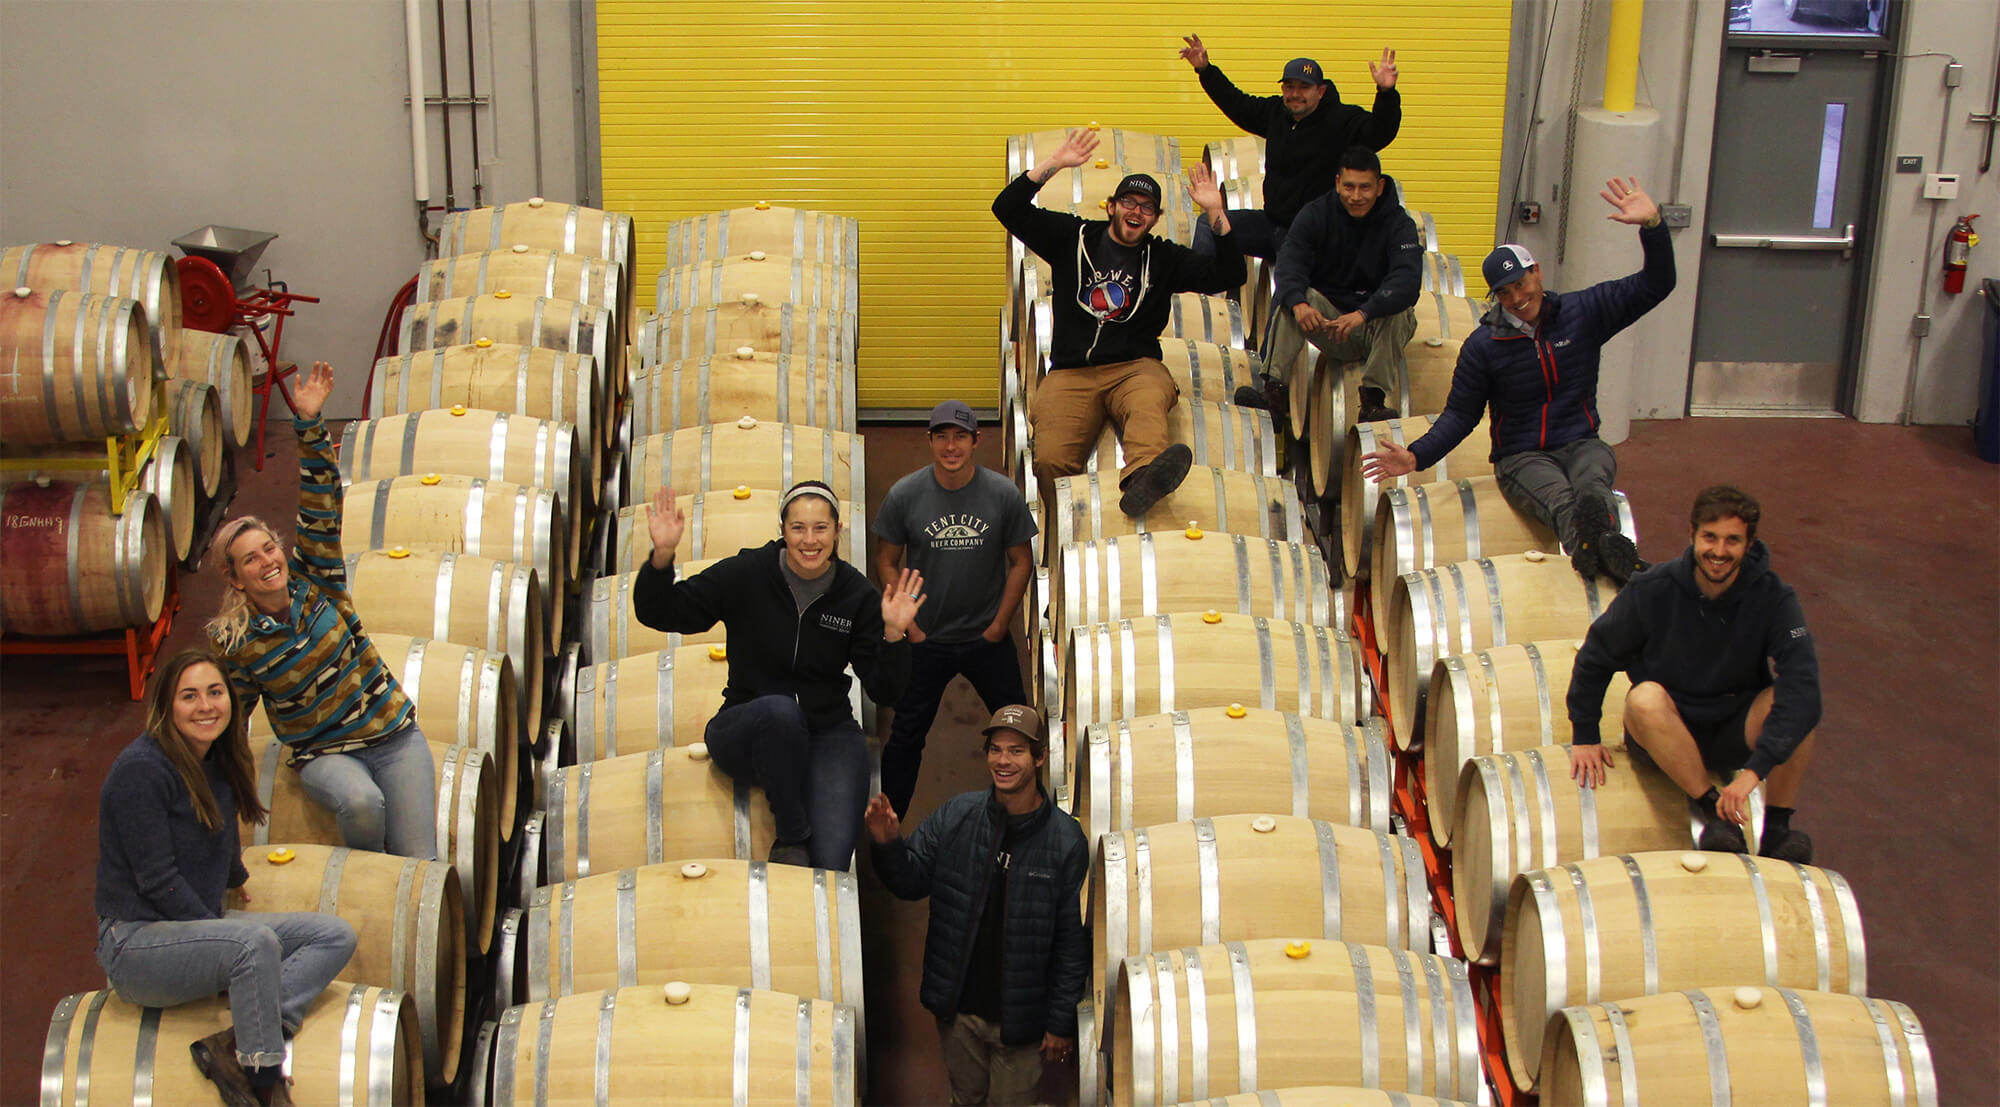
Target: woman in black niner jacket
{"x":797,"y":616}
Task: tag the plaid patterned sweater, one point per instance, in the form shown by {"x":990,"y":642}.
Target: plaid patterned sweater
{"x":325,"y":686}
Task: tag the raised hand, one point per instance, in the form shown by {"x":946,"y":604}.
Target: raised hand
{"x":1388,"y":463}
{"x":664,"y":523}
{"x":1194,"y":52}
{"x":1384,"y":71}
{"x":1202,"y":187}
{"x":1634,"y":206}
{"x":1075,"y":150}
{"x":309,"y":391}
{"x":900,"y":603}
{"x":883,"y":826}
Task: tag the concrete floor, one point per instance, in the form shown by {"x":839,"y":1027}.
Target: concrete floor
{"x":1891,"y":535}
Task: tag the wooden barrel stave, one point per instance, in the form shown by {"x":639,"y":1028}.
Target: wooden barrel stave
{"x":816,"y":236}
{"x":79,"y":367}
{"x":647,"y":701}
{"x":728,"y":456}
{"x":449,"y":513}
{"x":150,"y":277}
{"x":647,"y":808}
{"x":767,"y":387}
{"x":786,"y":330}
{"x":616,"y":632}
{"x":68,"y":566}
{"x":222,"y":361}
{"x":522,"y":380}
{"x":1360,"y":495}
{"x":1210,"y":500}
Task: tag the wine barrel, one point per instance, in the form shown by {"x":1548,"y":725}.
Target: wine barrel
{"x":1451,"y":520}
{"x":468,"y":830}
{"x":615,"y":630}
{"x":757,"y":278}
{"x":705,"y":1043}
{"x":1237,"y":877}
{"x":502,"y":317}
{"x":408,"y":921}
{"x":720,"y":524}
{"x":1267,"y":1008}
{"x":646,"y":808}
{"x":1467,"y":606}
{"x":357,"y":1044}
{"x":167,"y":476}
{"x":68,"y":566}
{"x":647,"y":701}
{"x":1358,"y":495}
{"x":148,"y":276}
{"x":222,"y":361}
{"x":1519,"y":812}
{"x":1176,"y":766}
{"x":1223,"y":436}
{"x":1326,"y":1095}
{"x":1653,"y":923}
{"x":524,"y":270}
{"x":767,"y":387}
{"x":1442,"y":315}
{"x":195,"y":416}
{"x":499,"y":446}
{"x":1240,"y":157}
{"x":475,"y":601}
{"x":523,"y":380}
{"x":747,"y":454}
{"x":816,"y":236}
{"x":79,"y":367}
{"x":1216,"y":319}
{"x":1165,"y":663}
{"x":1142,"y":151}
{"x":1221,"y":500}
{"x":707,"y":921}
{"x":1506,"y":698}
{"x":1429,"y":366}
{"x":464,"y":696}
{"x":1740,"y":1045}
{"x":795,"y":330}
{"x":1083,"y":191}
{"x":1443,"y":274}
{"x":446,"y":512}
{"x":540,"y":225}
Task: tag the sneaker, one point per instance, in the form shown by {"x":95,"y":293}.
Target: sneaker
{"x":1374,"y":406}
{"x":790,"y":853}
{"x":1617,"y":557}
{"x":215,"y":1057}
{"x":1718,"y":836}
{"x":1156,"y":481}
{"x":1786,"y":845}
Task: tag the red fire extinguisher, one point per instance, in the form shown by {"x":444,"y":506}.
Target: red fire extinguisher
{"x":1963,"y":238}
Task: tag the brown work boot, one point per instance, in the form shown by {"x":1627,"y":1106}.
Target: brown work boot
{"x":215,"y":1056}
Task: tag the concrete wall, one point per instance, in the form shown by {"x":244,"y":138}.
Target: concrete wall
{"x":1679,"y":62}
{"x":135,"y":121}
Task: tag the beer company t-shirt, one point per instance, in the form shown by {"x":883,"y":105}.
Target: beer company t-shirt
{"x":958,"y":539}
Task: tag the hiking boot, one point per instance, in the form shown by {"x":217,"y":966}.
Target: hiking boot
{"x":277,"y":1094}
{"x":1719,"y":836}
{"x":1584,"y":560}
{"x":1786,"y":844}
{"x":1375,"y":406}
{"x":1617,"y":557}
{"x":1250,"y":396}
{"x":1156,"y":481}
{"x":790,"y":853}
{"x":215,"y":1057}
{"x":1591,"y":519}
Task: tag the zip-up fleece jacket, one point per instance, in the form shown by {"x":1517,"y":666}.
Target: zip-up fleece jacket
{"x":1302,"y":157}
{"x":1045,"y":947}
{"x":1706,"y":653}
{"x":1075,"y":247}
{"x":774,"y":649}
{"x":1543,"y":386}
{"x":1373,"y":264}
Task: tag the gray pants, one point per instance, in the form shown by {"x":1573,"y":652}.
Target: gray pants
{"x":1378,"y":344}
{"x":384,"y":796}
{"x":1548,"y":483}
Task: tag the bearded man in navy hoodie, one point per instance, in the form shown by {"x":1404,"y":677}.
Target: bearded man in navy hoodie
{"x":1723,"y":677}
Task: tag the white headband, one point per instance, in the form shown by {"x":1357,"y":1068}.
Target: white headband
{"x":807,"y":490}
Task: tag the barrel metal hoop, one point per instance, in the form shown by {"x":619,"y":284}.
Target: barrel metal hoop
{"x":1244,"y":992}
{"x":1413,"y":1029}
{"x":1364,"y":1001}
{"x":350,"y":1036}
{"x":1197,"y":993}
{"x":1142,"y":864}
{"x":1545,"y":803}
{"x":1184,"y":771}
{"x":1715,"y":1046}
{"x":1267,"y":675}
{"x":1850,"y":923}
{"x":1892,"y":1061}
{"x":1621,"y":1040}
{"x":1766,"y":927}
{"x":740,"y":1067}
{"x":1295,"y":743}
{"x":1329,"y":878}
{"x":1209,"y":866}
{"x":628,"y":927}
{"x":759,"y":906}
{"x":1170,"y":1035}
{"x":1822,"y":941}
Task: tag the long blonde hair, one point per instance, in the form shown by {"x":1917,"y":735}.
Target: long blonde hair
{"x":232,"y":622}
{"x":233,"y":746}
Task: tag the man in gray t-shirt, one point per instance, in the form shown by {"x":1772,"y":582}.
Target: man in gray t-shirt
{"x":967,"y":530}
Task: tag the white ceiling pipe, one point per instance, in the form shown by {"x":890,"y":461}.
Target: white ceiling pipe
{"x":420,"y":161}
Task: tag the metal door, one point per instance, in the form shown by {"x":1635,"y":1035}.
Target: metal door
{"x":1795,"y":149}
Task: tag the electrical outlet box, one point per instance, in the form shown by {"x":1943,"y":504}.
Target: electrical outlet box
{"x":1530,"y":213}
{"x":1941,"y":186}
{"x":1677,"y":215}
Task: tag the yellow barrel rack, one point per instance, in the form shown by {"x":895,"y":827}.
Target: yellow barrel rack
{"x":122,"y":458}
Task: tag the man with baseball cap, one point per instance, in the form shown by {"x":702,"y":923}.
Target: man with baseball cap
{"x":967,"y":529}
{"x":1533,"y":359}
{"x":1305,"y":131}
{"x":1111,"y":288}
{"x":1007,"y":956}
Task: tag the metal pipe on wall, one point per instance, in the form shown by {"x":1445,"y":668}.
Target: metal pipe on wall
{"x":472,"y":102}
{"x":444,"y":111}
{"x":420,"y":162}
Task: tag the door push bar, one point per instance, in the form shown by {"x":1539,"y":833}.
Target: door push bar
{"x":1845,"y":244}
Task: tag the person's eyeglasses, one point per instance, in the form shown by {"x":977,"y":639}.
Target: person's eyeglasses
{"x":1143,"y":207}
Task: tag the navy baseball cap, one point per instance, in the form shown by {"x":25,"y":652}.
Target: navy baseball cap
{"x":1305,"y":69}
{"x":1139,"y":184}
{"x":1506,"y":264}
{"x":954,"y":413}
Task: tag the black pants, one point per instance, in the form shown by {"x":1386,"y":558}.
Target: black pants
{"x":995,"y":673}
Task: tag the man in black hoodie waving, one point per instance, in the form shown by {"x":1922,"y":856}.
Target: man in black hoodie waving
{"x":1723,"y":677}
{"x":1305,"y":131}
{"x":1348,"y":279}
{"x":1112,"y":287}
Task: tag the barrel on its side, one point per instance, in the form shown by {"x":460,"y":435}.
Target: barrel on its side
{"x":647,"y":701}
{"x":615,"y":630}
{"x":720,"y":524}
{"x":502,"y":318}
{"x":1451,"y":520}
{"x":540,"y":225}
{"x":646,"y":808}
{"x":222,"y":361}
{"x":464,"y":696}
{"x":523,"y":270}
{"x":524,"y":380}
{"x":68,"y":566}
{"x":1223,"y":500}
{"x":195,"y":415}
{"x":758,"y":278}
{"x":816,"y":236}
{"x":797,"y":387}
{"x":1358,"y":495}
{"x":1144,"y":151}
{"x":80,"y":367}
{"x":451,"y":513}
{"x":821,"y":336}
{"x":463,"y":598}
{"x":149,"y":276}
{"x":747,"y":454}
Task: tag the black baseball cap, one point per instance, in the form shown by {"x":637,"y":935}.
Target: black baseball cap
{"x":1138,"y":184}
{"x":1305,"y":69}
{"x":954,"y":413}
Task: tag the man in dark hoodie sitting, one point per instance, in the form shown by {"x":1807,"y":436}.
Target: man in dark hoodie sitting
{"x":1305,"y":131}
{"x":1348,"y":278}
{"x":1724,"y":677}
{"x":1112,"y":286}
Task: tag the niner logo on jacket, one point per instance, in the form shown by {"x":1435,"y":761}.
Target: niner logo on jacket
{"x":835,"y":623}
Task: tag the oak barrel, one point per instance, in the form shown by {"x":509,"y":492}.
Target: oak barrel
{"x":524,"y":270}
{"x":723,"y":388}
{"x":538,"y":224}
{"x":755,"y":278}
{"x":464,"y":696}
{"x":68,"y":566}
{"x":615,"y":630}
{"x":646,"y":808}
{"x":786,"y":330}
{"x":1143,"y":151}
{"x":79,"y":367}
{"x":817,"y":236}
{"x":195,"y":415}
{"x":722,"y":523}
{"x":222,"y":361}
{"x":1358,"y":495}
{"x":647,"y":701}
{"x":448,"y":513}
{"x":523,"y":380}
{"x":464,"y":598}
{"x":1164,"y":663}
{"x":1209,"y":500}
{"x":148,"y":276}
{"x":747,"y":454}
{"x":503,"y":318}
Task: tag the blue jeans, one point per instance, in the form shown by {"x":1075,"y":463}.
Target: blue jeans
{"x":272,"y":964}
{"x":815,"y":781}
{"x":1255,"y":234}
{"x":385,"y":796}
{"x":995,"y":672}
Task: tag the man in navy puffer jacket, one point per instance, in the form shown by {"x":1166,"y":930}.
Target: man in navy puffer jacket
{"x":1007,"y":955}
{"x":1533,"y":359}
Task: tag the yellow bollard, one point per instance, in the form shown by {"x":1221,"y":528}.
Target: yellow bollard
{"x":1621,"y":59}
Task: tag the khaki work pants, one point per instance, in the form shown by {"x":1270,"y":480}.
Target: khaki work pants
{"x":1378,"y":344}
{"x":1070,"y":407}
{"x":985,"y":1070}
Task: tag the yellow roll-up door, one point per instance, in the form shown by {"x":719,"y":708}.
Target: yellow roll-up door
{"x":898,"y":114}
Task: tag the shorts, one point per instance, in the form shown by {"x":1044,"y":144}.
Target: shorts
{"x":1722,"y":744}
